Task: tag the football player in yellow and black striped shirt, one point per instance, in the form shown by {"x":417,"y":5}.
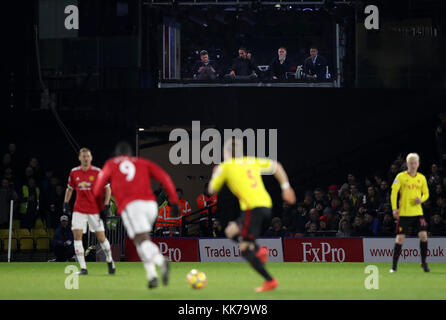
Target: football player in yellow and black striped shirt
{"x":242,"y":175}
{"x":412,"y":188}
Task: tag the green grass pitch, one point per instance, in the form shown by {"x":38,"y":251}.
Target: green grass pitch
{"x":35,"y":280}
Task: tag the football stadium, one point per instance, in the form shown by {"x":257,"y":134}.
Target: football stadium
{"x":223,"y":154}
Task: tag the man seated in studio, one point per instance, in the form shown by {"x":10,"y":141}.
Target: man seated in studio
{"x":280,"y":65}
{"x":205,"y":69}
{"x":242,"y":67}
{"x":315,"y":66}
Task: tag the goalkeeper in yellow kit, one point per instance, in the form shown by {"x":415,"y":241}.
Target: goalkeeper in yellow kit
{"x":242,"y":175}
{"x":413,"y":190}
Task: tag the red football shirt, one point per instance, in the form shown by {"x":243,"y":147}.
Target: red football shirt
{"x":83,"y":182}
{"x":129,"y":179}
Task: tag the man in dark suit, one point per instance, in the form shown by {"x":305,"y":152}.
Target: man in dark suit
{"x":315,"y":66}
{"x":280,"y":65}
{"x":242,"y":67}
{"x":205,"y":69}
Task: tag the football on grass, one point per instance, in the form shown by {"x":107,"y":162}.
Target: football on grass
{"x":196,"y":279}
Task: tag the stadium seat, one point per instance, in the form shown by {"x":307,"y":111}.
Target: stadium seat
{"x":38,"y":233}
{"x":43,"y":243}
{"x":39,"y":224}
{"x":23,"y":233}
{"x":15,"y":224}
{"x":13,"y":244}
{"x":26,"y":244}
{"x":4,"y":233}
{"x":50,"y":233}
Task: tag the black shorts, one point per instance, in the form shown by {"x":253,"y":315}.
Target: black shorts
{"x":411,"y":225}
{"x":251,"y":222}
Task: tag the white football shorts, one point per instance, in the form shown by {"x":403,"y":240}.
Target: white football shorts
{"x":139,"y":216}
{"x":80,"y":220}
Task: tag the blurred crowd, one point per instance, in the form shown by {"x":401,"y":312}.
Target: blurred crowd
{"x":359,"y":208}
{"x":37,"y":193}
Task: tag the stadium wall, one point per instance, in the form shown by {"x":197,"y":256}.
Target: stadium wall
{"x":294,"y":250}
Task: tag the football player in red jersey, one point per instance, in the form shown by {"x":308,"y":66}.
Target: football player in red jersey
{"x":86,"y":211}
{"x":130,"y":182}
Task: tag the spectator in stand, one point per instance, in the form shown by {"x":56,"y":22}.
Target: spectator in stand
{"x":336,"y":205}
{"x":437,"y":192}
{"x":345,"y":229}
{"x":29,"y":173}
{"x":344,"y":192}
{"x":6,"y":162}
{"x":323,"y":223}
{"x":362,"y":210}
{"x":333,"y":192}
{"x":393,"y":171}
{"x":372,"y":223}
{"x":276,"y":229}
{"x":346,"y":216}
{"x":359,"y":229}
{"x":351,"y":179}
{"x":378,"y":179}
{"x":280,"y":65}
{"x":387,"y":227}
{"x":309,"y":200}
{"x":242,"y":67}
{"x":372,"y":200}
{"x":332,"y":220}
{"x":355,"y":196}
{"x":437,"y":227}
{"x":434,"y":177}
{"x":346,"y":206}
{"x":62,"y":242}
{"x":368,"y":183}
{"x":38,"y":172}
{"x":319,"y":197}
{"x":312,"y":230}
{"x":217,"y":229}
{"x":314,"y":218}
{"x":205,"y":69}
{"x":315,"y":66}
{"x":46,"y":181}
{"x":384,"y":189}
{"x":29,"y":204}
{"x":320,"y":206}
{"x":302,"y":219}
{"x":16,"y":164}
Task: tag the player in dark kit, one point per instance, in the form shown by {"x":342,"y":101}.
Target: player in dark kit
{"x":129,"y":178}
{"x":243,"y":177}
